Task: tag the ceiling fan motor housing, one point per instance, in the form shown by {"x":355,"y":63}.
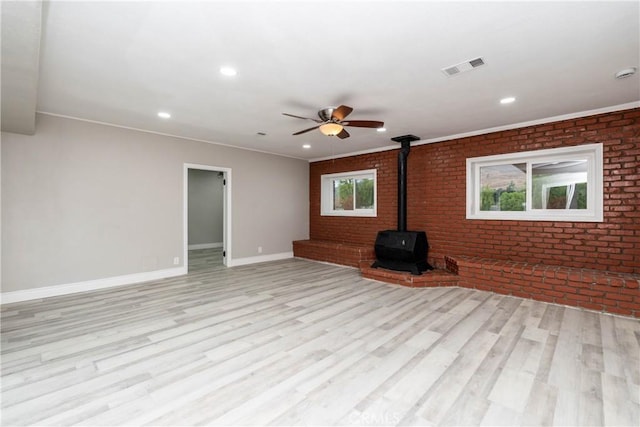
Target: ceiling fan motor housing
{"x":326,"y":114}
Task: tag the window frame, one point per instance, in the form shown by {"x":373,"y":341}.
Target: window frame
{"x":326,"y":193}
{"x":593,"y":153}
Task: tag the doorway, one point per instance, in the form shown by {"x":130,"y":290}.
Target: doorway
{"x":206,"y":217}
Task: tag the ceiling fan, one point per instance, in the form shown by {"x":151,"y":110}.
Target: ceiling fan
{"x":332,"y":122}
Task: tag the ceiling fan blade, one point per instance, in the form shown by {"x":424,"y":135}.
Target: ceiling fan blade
{"x":363,"y":123}
{"x":341,"y":112}
{"x":300,"y":117}
{"x":306,"y":130}
{"x":343,"y":134}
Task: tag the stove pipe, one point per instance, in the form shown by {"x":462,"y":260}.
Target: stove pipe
{"x":403,"y":154}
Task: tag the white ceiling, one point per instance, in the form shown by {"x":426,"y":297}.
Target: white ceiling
{"x":122,"y":62}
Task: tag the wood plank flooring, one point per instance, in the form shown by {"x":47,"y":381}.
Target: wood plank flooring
{"x":295,"y":342}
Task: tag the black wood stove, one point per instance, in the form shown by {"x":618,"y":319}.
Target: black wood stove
{"x":400,"y":249}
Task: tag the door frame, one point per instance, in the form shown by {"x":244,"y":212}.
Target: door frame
{"x":226,"y":211}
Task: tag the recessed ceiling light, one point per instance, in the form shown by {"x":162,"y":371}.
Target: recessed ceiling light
{"x":381,"y":129}
{"x":507,"y":100}
{"x":164,"y":115}
{"x":228,"y":71}
{"x":306,"y":146}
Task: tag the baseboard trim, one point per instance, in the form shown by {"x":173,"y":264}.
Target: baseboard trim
{"x":89,"y":285}
{"x":261,"y":258}
{"x":205,"y":246}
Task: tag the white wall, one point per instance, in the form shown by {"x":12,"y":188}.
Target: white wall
{"x":83,"y":201}
{"x":206,"y":202}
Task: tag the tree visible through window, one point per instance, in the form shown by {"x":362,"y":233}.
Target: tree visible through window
{"x":503,"y":187}
{"x":351,"y":193}
{"x":364,"y":193}
{"x":343,"y":194}
{"x":346,"y":190}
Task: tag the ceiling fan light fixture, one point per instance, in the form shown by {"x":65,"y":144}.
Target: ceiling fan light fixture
{"x":331,"y":129}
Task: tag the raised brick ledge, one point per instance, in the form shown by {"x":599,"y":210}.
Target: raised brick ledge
{"x":598,"y":290}
{"x":333,"y":252}
{"x":432,"y":278}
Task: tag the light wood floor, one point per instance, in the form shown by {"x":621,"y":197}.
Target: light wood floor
{"x":205,"y":259}
{"x":296,"y":342}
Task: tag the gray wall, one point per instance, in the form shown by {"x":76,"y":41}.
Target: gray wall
{"x":83,"y":201}
{"x":206,"y":202}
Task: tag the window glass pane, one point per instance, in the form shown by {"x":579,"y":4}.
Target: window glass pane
{"x":559,"y":185}
{"x":343,"y":194}
{"x":349,"y":193}
{"x":364,"y":193}
{"x":556,"y":184}
{"x":502,"y":187}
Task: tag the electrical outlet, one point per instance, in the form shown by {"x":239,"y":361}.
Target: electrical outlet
{"x":176,"y":261}
{"x":259,"y":249}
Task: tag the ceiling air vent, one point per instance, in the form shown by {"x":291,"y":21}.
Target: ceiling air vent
{"x":463,"y":66}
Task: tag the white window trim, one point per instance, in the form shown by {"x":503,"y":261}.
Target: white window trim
{"x":594,"y":212}
{"x":326,"y":193}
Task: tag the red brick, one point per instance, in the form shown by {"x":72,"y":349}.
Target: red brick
{"x":619,"y":297}
{"x":566,"y":289}
{"x":630,"y":305}
{"x":591,"y":306}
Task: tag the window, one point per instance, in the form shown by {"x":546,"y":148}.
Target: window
{"x":560,"y":184}
{"x":349,"y":193}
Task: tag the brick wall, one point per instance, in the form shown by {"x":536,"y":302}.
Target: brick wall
{"x":437,"y":198}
